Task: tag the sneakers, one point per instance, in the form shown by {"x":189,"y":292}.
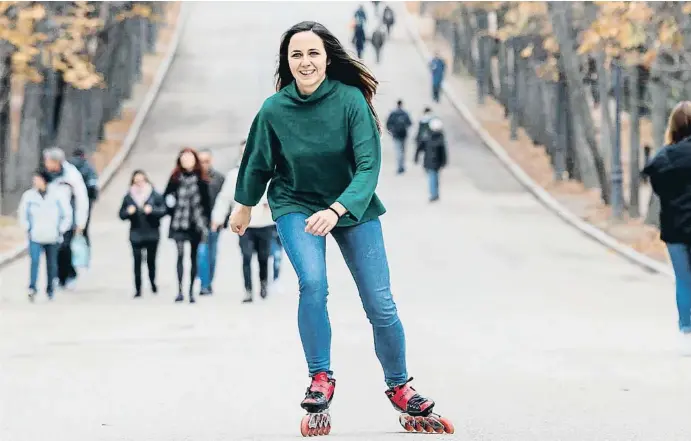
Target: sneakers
{"x":248,"y":297}
{"x":32,"y":294}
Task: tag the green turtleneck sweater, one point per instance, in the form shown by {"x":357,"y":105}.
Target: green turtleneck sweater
{"x":316,"y":150}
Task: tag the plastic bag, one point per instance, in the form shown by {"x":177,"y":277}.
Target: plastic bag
{"x":81,"y":254}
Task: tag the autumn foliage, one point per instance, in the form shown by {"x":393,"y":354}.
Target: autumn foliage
{"x":60,"y":37}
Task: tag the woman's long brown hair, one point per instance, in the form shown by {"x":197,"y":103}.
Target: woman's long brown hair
{"x":679,"y":123}
{"x":198,"y":170}
{"x":342,"y":66}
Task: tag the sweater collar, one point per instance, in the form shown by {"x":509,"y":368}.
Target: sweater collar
{"x":325,"y":88}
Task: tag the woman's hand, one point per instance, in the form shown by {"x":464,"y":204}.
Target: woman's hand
{"x":240,"y":219}
{"x":321,"y":223}
{"x":131,"y":209}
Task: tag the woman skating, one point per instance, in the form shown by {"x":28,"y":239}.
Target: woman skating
{"x":187,"y":199}
{"x":318,"y":141}
{"x":144,"y":208}
{"x":670,"y":176}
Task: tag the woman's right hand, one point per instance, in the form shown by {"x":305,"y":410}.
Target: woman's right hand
{"x":131,"y":209}
{"x":240,"y":219}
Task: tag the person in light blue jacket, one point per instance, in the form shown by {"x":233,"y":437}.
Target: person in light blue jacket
{"x":46,"y":217}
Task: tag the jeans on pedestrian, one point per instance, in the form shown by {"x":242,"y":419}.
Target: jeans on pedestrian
{"x":679,"y":255}
{"x":51,"y":253}
{"x":206,"y":259}
{"x":256,"y":240}
{"x":276,"y":253}
{"x":436,"y":91}
{"x":399,"y":144}
{"x":433,"y":180}
{"x":362,"y":247}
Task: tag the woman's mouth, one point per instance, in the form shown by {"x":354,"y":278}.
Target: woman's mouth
{"x":307,"y":72}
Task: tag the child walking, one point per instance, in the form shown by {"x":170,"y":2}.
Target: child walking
{"x":45,"y":217}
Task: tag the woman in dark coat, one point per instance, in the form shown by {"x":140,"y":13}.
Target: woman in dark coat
{"x":144,"y":208}
{"x":670,"y":176}
{"x":189,"y":206}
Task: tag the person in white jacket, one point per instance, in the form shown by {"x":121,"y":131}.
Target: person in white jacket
{"x":66,"y":179}
{"x":46,"y":217}
{"x":257,"y":238}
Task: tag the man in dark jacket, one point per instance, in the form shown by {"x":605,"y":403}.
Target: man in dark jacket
{"x":388,"y":19}
{"x":422,"y":131}
{"x":434,"y":149}
{"x":377,"y":42}
{"x":90,"y":177}
{"x":397,"y":124}
{"x":207,"y":252}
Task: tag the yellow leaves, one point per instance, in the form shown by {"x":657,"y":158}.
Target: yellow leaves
{"x":590,"y":41}
{"x":527,"y":51}
{"x":649,"y":58}
{"x":686,"y":9}
{"x":550,"y":45}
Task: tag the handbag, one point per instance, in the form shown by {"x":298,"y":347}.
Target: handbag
{"x":81,"y":254}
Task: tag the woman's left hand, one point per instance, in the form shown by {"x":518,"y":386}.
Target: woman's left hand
{"x":321,"y":222}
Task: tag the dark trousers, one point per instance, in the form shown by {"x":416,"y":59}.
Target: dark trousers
{"x":151,"y":249}
{"x":194,"y":246}
{"x":65,"y":269}
{"x":88,"y":222}
{"x":256,"y":240}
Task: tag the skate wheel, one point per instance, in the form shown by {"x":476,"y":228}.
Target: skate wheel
{"x":407,"y":422}
{"x":419,"y":424}
{"x":304,"y":426}
{"x":448,"y":426}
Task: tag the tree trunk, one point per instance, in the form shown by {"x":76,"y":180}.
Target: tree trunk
{"x":658,"y":115}
{"x":5,"y":91}
{"x":560,"y":14}
{"x":635,"y":146}
{"x":606,"y":124}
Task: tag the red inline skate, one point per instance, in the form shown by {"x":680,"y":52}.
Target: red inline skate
{"x":317,"y":400}
{"x":416,"y":411}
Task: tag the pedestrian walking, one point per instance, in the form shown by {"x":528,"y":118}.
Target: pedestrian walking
{"x":438,"y":67}
{"x":208,"y":250}
{"x":670,"y":177}
{"x":359,"y":39}
{"x":90,"y":177}
{"x":422,"y":132}
{"x":46,"y":217}
{"x":65,"y":179}
{"x":257,"y":238}
{"x":144,"y":208}
{"x":378,"y":42}
{"x":397,"y":125}
{"x":388,"y":18}
{"x":435,"y":155}
{"x":187,"y":200}
{"x":318,"y":140}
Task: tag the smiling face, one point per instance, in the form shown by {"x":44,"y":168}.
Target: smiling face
{"x":139,"y":180}
{"x":307,"y":60}
{"x":188,"y":161}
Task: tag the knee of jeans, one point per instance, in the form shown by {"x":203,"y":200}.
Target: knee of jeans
{"x":313,"y":288}
{"x":381,"y":309}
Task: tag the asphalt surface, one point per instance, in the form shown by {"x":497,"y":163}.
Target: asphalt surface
{"x":517,"y":325}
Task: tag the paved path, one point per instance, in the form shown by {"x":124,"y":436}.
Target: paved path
{"x":518,"y":326}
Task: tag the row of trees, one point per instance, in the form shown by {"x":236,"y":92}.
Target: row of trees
{"x":71,"y":65}
{"x":568,"y":71}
